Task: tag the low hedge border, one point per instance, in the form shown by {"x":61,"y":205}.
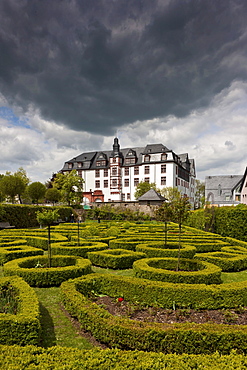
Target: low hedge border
{"x":73,"y":249}
{"x":226,"y":261}
{"x":235,"y":249}
{"x":130,"y":243}
{"x":164,"y":269}
{"x":115,"y":258}
{"x":57,"y":358}
{"x":12,"y":252}
{"x":159,"y":249}
{"x":24,"y":327}
{"x":61,"y":358}
{"x":8,"y":241}
{"x":166,"y":295}
{"x":129,"y":334}
{"x":69,"y":267}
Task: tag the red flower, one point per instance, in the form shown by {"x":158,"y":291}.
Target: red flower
{"x":120,"y":299}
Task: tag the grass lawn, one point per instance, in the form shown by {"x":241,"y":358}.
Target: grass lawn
{"x":56,"y":326}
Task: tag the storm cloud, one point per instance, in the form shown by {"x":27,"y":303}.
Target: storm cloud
{"x":98,"y":65}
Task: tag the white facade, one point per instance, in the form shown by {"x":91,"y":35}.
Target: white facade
{"x":115,"y":174}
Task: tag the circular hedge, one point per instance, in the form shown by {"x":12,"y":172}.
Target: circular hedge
{"x":35,"y":272}
{"x":226,"y":261}
{"x":190,"y":271}
{"x":159,"y":249}
{"x":72,"y":248}
{"x":115,"y":258}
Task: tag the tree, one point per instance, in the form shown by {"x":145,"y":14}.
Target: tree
{"x":199,"y":194}
{"x":70,"y":185}
{"x":36,"y":190}
{"x":53,"y":195}
{"x":21,"y":173}
{"x":12,"y":186}
{"x":176,"y":209}
{"x":143,"y":187}
{"x":47,"y":218}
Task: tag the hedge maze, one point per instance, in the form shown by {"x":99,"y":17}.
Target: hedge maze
{"x":158,"y":277}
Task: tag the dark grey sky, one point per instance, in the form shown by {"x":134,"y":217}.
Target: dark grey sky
{"x":94,"y":65}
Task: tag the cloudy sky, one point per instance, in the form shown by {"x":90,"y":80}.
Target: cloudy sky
{"x":76,"y":73}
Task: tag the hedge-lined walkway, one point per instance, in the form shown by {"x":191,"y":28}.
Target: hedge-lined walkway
{"x":56,"y":325}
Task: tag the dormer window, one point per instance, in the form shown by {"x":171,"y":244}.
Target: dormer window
{"x":163,"y":157}
{"x":130,"y":161}
{"x":79,"y":164}
{"x":147,"y":158}
{"x":100,"y":163}
{"x":70,"y":165}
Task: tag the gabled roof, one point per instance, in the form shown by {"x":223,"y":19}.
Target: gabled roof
{"x":151,"y":195}
{"x":244,"y":179}
{"x":225,"y":181}
{"x":155,"y":148}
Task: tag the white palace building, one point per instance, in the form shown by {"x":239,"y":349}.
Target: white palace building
{"x":112,"y":176}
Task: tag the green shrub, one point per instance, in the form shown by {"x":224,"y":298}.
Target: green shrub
{"x":164,"y":269}
{"x":226,"y":261}
{"x":22,"y":328}
{"x":115,"y":258}
{"x":9,"y":253}
{"x":129,"y":334}
{"x":158,"y":249}
{"x":57,"y":358}
{"x":35,"y":272}
{"x":72,"y":248}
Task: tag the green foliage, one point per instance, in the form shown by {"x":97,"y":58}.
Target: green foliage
{"x":128,"y":334}
{"x":11,"y":186}
{"x":115,"y":259}
{"x":24,"y":216}
{"x":57,"y":358}
{"x":22,"y":327}
{"x":47,"y":217}
{"x":53,"y":195}
{"x":70,"y":186}
{"x":73,"y":249}
{"x":8,"y":299}
{"x":226,"y":221}
{"x":163,"y":269}
{"x":36,"y":190}
{"x":143,"y":187}
{"x":35,"y":270}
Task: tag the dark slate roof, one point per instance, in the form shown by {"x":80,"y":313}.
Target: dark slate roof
{"x":155,"y":148}
{"x":151,"y":195}
{"x":225,"y":181}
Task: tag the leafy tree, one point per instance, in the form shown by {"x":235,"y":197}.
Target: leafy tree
{"x":47,"y":218}
{"x":12,"y":186}
{"x":143,"y":187}
{"x":199,"y":194}
{"x":70,"y":185}
{"x":53,"y":195}
{"x":36,"y":191}
{"x":176,"y":209}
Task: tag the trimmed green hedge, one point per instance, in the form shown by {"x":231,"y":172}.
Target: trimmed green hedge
{"x":9,"y":253}
{"x":130,"y":243}
{"x":130,"y":334}
{"x":190,"y":271}
{"x":23,"y":216}
{"x":226,"y":261}
{"x":62,"y":358}
{"x":164,"y":294}
{"x":73,"y":249}
{"x":34,"y":271}
{"x":24,"y":327}
{"x":115,"y":258}
{"x":158,"y":249}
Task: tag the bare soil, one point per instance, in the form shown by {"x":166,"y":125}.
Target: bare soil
{"x":159,"y":315}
